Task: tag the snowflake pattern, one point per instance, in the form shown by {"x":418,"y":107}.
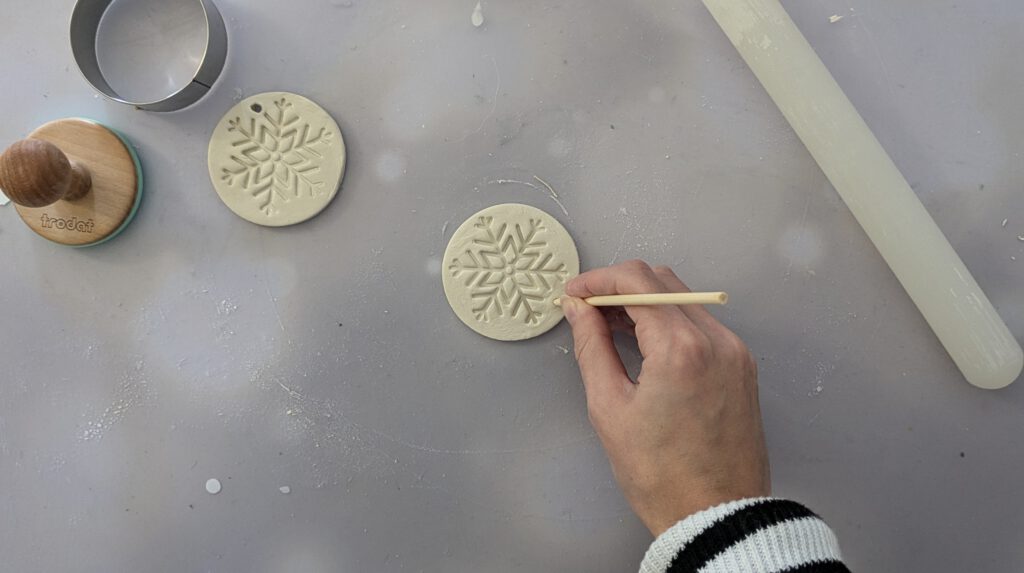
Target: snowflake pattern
{"x":508,"y":272}
{"x":277,"y":157}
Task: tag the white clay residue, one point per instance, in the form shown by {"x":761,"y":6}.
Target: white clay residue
{"x":800,"y":245}
{"x":284,"y":489}
{"x":550,"y":190}
{"x":434,"y":266}
{"x":213,"y":486}
{"x":477,"y":18}
{"x":559,"y":147}
{"x":132,"y":390}
{"x":391,"y":166}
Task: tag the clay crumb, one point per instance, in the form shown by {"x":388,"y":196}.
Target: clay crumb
{"x":213,"y":486}
{"x":835,"y":18}
{"x":477,"y":18}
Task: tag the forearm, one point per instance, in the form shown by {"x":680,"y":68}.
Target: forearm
{"x":756,"y":534}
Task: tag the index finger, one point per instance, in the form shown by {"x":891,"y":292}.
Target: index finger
{"x":630,"y":277}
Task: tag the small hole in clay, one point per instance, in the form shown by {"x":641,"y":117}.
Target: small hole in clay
{"x":256,"y":107}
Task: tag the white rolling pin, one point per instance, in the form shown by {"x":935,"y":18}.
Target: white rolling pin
{"x":871,"y":185}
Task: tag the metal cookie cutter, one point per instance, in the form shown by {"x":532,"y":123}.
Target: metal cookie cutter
{"x":85,"y":23}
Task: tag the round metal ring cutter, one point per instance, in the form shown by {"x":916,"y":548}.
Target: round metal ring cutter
{"x":85,"y":23}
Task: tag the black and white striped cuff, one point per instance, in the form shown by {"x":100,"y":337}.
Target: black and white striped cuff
{"x":763,"y":535}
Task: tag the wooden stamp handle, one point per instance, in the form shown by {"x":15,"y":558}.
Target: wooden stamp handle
{"x":36,"y":173}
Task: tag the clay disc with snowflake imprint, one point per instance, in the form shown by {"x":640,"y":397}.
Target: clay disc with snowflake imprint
{"x":277,"y":159}
{"x":503,"y":269}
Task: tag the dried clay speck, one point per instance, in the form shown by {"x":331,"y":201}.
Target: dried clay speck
{"x":213,"y":486}
{"x":477,"y":17}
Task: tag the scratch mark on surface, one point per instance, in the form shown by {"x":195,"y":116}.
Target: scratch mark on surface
{"x":550,"y":191}
{"x":471,"y":452}
{"x":494,"y":105}
{"x":331,"y":410}
{"x":800,"y":239}
{"x":500,"y":514}
{"x":878,"y":56}
{"x":270,"y":294}
{"x":618,"y":249}
{"x":291,"y":392}
{"x":516,"y":181}
{"x":696,"y":189}
{"x":548,"y":185}
{"x":273,"y":304}
{"x":553,"y":195}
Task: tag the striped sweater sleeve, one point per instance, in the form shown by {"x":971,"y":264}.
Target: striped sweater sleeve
{"x":756,"y":535}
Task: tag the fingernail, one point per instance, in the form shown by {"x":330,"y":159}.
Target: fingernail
{"x":569,"y":308}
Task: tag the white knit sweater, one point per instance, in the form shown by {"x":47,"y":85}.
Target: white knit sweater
{"x":756,"y":535}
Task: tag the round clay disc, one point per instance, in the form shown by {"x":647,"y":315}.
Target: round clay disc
{"x":277,"y":159}
{"x":504,"y":268}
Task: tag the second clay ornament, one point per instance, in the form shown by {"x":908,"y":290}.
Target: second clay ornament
{"x":277,"y":159}
{"x":504,"y":268}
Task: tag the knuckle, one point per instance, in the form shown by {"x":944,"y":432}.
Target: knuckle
{"x":686,"y":351}
{"x":637,"y":265}
{"x":750,"y":364}
{"x":697,"y":353}
{"x":663,"y":270}
{"x":735,"y":347}
{"x":737,"y":352}
{"x":740,"y":352}
{"x":597,"y":411}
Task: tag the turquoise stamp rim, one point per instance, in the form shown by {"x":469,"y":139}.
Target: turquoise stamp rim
{"x":138,"y":189}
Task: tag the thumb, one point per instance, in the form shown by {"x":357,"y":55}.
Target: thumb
{"x":604,"y":376}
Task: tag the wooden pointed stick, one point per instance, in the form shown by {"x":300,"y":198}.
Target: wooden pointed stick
{"x":655,"y":299}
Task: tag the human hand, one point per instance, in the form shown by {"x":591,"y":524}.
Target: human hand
{"x":687,"y":434}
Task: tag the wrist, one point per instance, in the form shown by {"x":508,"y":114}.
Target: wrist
{"x":751,"y":534}
{"x":663,"y":512}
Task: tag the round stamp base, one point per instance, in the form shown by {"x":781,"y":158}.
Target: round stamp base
{"x":116,"y":185}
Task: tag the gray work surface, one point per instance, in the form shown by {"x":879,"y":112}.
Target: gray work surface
{"x":323,"y":357}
